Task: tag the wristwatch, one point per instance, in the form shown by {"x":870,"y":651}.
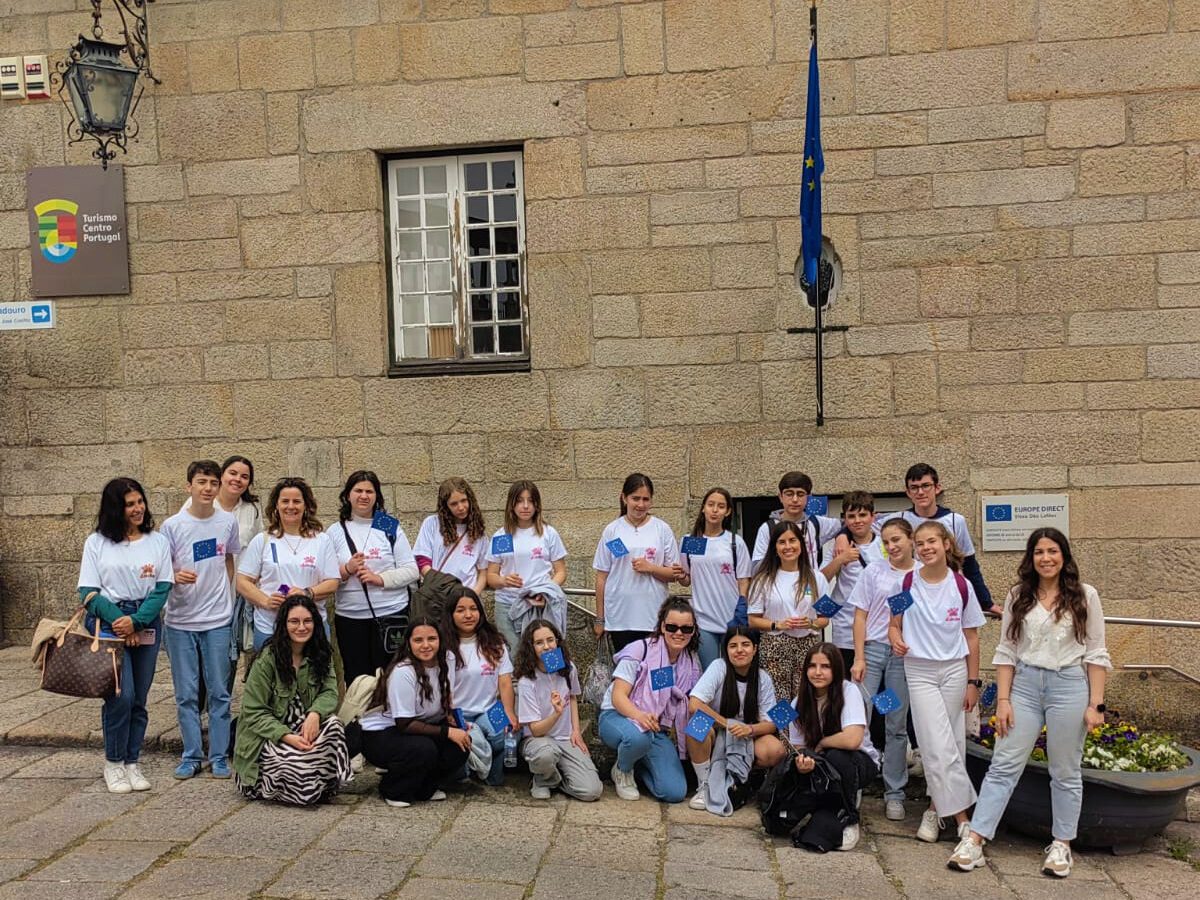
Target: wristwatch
{"x":1100,"y":707}
{"x":977,"y":682}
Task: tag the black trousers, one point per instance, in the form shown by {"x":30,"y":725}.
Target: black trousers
{"x":621,"y":638}
{"x":415,"y":764}
{"x":361,"y":647}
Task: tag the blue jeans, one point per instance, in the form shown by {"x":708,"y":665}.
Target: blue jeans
{"x":652,"y":755}
{"x":1058,"y":701}
{"x":886,"y":669}
{"x":496,"y":740}
{"x":189,"y":651}
{"x":123,"y":717}
{"x":710,"y":647}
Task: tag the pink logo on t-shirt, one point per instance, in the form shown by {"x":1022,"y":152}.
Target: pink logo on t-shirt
{"x":220,"y":549}
{"x":651,"y":552}
{"x":309,"y":562}
{"x":374,"y":553}
{"x":726,"y":569}
{"x":468,"y":549}
{"x":147,"y":570}
{"x":537,"y":553}
{"x":952,"y":614}
{"x":487,"y":668}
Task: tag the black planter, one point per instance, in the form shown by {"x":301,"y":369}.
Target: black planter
{"x":1120,"y":809}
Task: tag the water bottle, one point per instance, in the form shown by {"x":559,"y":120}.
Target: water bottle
{"x":510,"y":750}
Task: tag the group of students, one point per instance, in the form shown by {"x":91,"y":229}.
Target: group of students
{"x":451,"y":694}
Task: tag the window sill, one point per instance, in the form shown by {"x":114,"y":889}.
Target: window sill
{"x":456,"y":367}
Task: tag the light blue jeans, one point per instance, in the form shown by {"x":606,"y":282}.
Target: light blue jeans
{"x":652,"y":755}
{"x":189,"y":651}
{"x":710,"y":647}
{"x":885,"y":670}
{"x":1058,"y":701}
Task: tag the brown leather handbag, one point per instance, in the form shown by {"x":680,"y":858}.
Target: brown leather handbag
{"x":81,"y":665}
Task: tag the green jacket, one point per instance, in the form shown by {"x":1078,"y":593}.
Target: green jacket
{"x":265,"y":701}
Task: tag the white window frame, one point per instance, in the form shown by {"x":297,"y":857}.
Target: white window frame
{"x":407,"y":274}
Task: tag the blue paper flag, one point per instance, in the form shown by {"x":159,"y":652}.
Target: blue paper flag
{"x":389,"y":525}
{"x":782,"y":714}
{"x":498,"y":717}
{"x":989,"y":695}
{"x":458,"y":718}
{"x":898,"y":603}
{"x":661,"y":679}
{"x":553,"y":660}
{"x":694,"y":546}
{"x":502,"y":543}
{"x":204,"y":549}
{"x":886,"y":702}
{"x":699,"y":725}
{"x":617,"y":548}
{"x":817,"y":505}
{"x":827,"y":606}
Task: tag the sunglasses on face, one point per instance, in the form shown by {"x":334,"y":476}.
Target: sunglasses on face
{"x":671,"y":628}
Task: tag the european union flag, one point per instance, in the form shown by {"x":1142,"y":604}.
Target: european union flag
{"x":814,"y":165}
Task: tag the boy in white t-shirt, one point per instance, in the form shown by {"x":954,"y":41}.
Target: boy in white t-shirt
{"x":794,"y":491}
{"x":204,"y":541}
{"x":856,"y":548}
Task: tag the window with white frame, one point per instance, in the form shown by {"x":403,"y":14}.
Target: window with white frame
{"x":457,"y":275}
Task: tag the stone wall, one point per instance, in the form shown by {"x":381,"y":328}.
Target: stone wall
{"x":1013,"y":187}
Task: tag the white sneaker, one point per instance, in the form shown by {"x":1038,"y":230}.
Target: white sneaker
{"x":916,"y":767}
{"x":849,"y":837}
{"x":137,"y":780}
{"x":399,"y":804}
{"x":438,"y":795}
{"x":967,"y":855}
{"x":625,"y":783}
{"x":964,"y":830}
{"x":931,"y":825}
{"x":1058,"y":860}
{"x":539,"y":792}
{"x":116,"y":778}
{"x":357,"y":763}
{"x":700,"y":800}
{"x":894,"y":810}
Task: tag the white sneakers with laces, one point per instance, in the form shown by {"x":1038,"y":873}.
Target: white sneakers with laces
{"x":116,"y":778}
{"x":850,"y":836}
{"x":931,"y":826}
{"x":1058,"y":860}
{"x":625,"y":784}
{"x":967,"y":856}
{"x":137,"y":780}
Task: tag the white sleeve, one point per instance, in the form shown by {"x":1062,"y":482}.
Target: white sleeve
{"x":757,"y":601}
{"x":424,"y":544}
{"x":760,"y":544}
{"x":341,"y":549}
{"x":402,"y":693}
{"x":745,"y":567}
{"x":554,"y":542}
{"x":860,"y":596}
{"x":251,"y":561}
{"x":89,"y":566}
{"x":962,"y":536}
{"x":603,"y":560}
{"x":828,"y":528}
{"x":164,"y":567}
{"x":506,"y":666}
{"x":972,"y":614}
{"x":670,"y":545}
{"x":710,"y":682}
{"x":854,"y":709}
{"x":627,"y":671}
{"x":528,"y":709}
{"x":1094,"y":646}
{"x":327,"y":564}
{"x":233,"y":542}
{"x":766,"y":695}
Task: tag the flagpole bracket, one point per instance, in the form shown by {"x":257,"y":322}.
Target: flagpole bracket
{"x":825,"y":329}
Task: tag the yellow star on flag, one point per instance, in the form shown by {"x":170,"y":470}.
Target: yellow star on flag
{"x":809,"y":162}
{"x":812,"y":185}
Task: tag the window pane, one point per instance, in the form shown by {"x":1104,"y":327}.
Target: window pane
{"x":437,"y":244}
{"x":435,"y":179}
{"x":476,"y":176}
{"x":408,"y":245}
{"x":504,"y":174}
{"x":479,"y":241}
{"x":481,"y":340}
{"x":510,"y":338}
{"x":435,"y":212}
{"x":407,"y":181}
{"x":414,"y":343}
{"x":506,"y":241}
{"x":481,"y":307}
{"x":481,"y":275}
{"x":438,"y":274}
{"x":508,"y":305}
{"x":408,"y":213}
{"x":477,"y":210}
{"x":441,"y":309}
{"x":505,"y":206}
{"x":508,"y":273}
{"x":412,"y":309}
{"x":412,"y":277}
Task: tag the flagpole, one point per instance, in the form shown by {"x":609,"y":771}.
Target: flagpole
{"x":815,"y":287}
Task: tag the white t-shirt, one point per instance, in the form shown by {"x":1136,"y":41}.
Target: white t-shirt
{"x":380,"y":556}
{"x":632,"y":599}
{"x":708,"y":690}
{"x":533,"y":700}
{"x":532,"y":557}
{"x":854,"y":712}
{"x":877,"y":583}
{"x":128,"y":570}
{"x":477,"y":682}
{"x":298,"y":562}
{"x":404,"y":700}
{"x":842,"y":624}
{"x":933,"y":625}
{"x":208,"y":603}
{"x":954,"y":522}
{"x":777,"y":601}
{"x":714,"y":580}
{"x":249,"y":520}
{"x":829,"y":529}
{"x":463,"y":563}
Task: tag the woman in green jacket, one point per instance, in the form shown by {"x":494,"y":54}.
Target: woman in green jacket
{"x":290,"y":747}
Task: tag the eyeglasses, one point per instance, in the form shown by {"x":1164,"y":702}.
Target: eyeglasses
{"x":671,"y":628}
{"x":922,"y":487}
{"x":300,"y":623}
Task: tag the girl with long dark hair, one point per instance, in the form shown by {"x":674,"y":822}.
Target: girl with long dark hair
{"x":1051,"y":668}
{"x":375,"y":565}
{"x":290,"y":746}
{"x":410,"y":732}
{"x":126,"y":572}
{"x":451,"y":540}
{"x":634,"y":562}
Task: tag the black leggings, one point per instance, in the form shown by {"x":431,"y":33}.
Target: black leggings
{"x":360,"y":646}
{"x":416,"y":764}
{"x":621,"y":638}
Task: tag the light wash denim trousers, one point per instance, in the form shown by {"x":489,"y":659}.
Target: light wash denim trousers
{"x":1057,"y":700}
{"x":886,"y":670}
{"x":192,"y":653}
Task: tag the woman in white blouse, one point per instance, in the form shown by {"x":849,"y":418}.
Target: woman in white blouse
{"x":1051,"y":667}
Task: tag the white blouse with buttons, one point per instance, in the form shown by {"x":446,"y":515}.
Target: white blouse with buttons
{"x":1050,"y":644}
